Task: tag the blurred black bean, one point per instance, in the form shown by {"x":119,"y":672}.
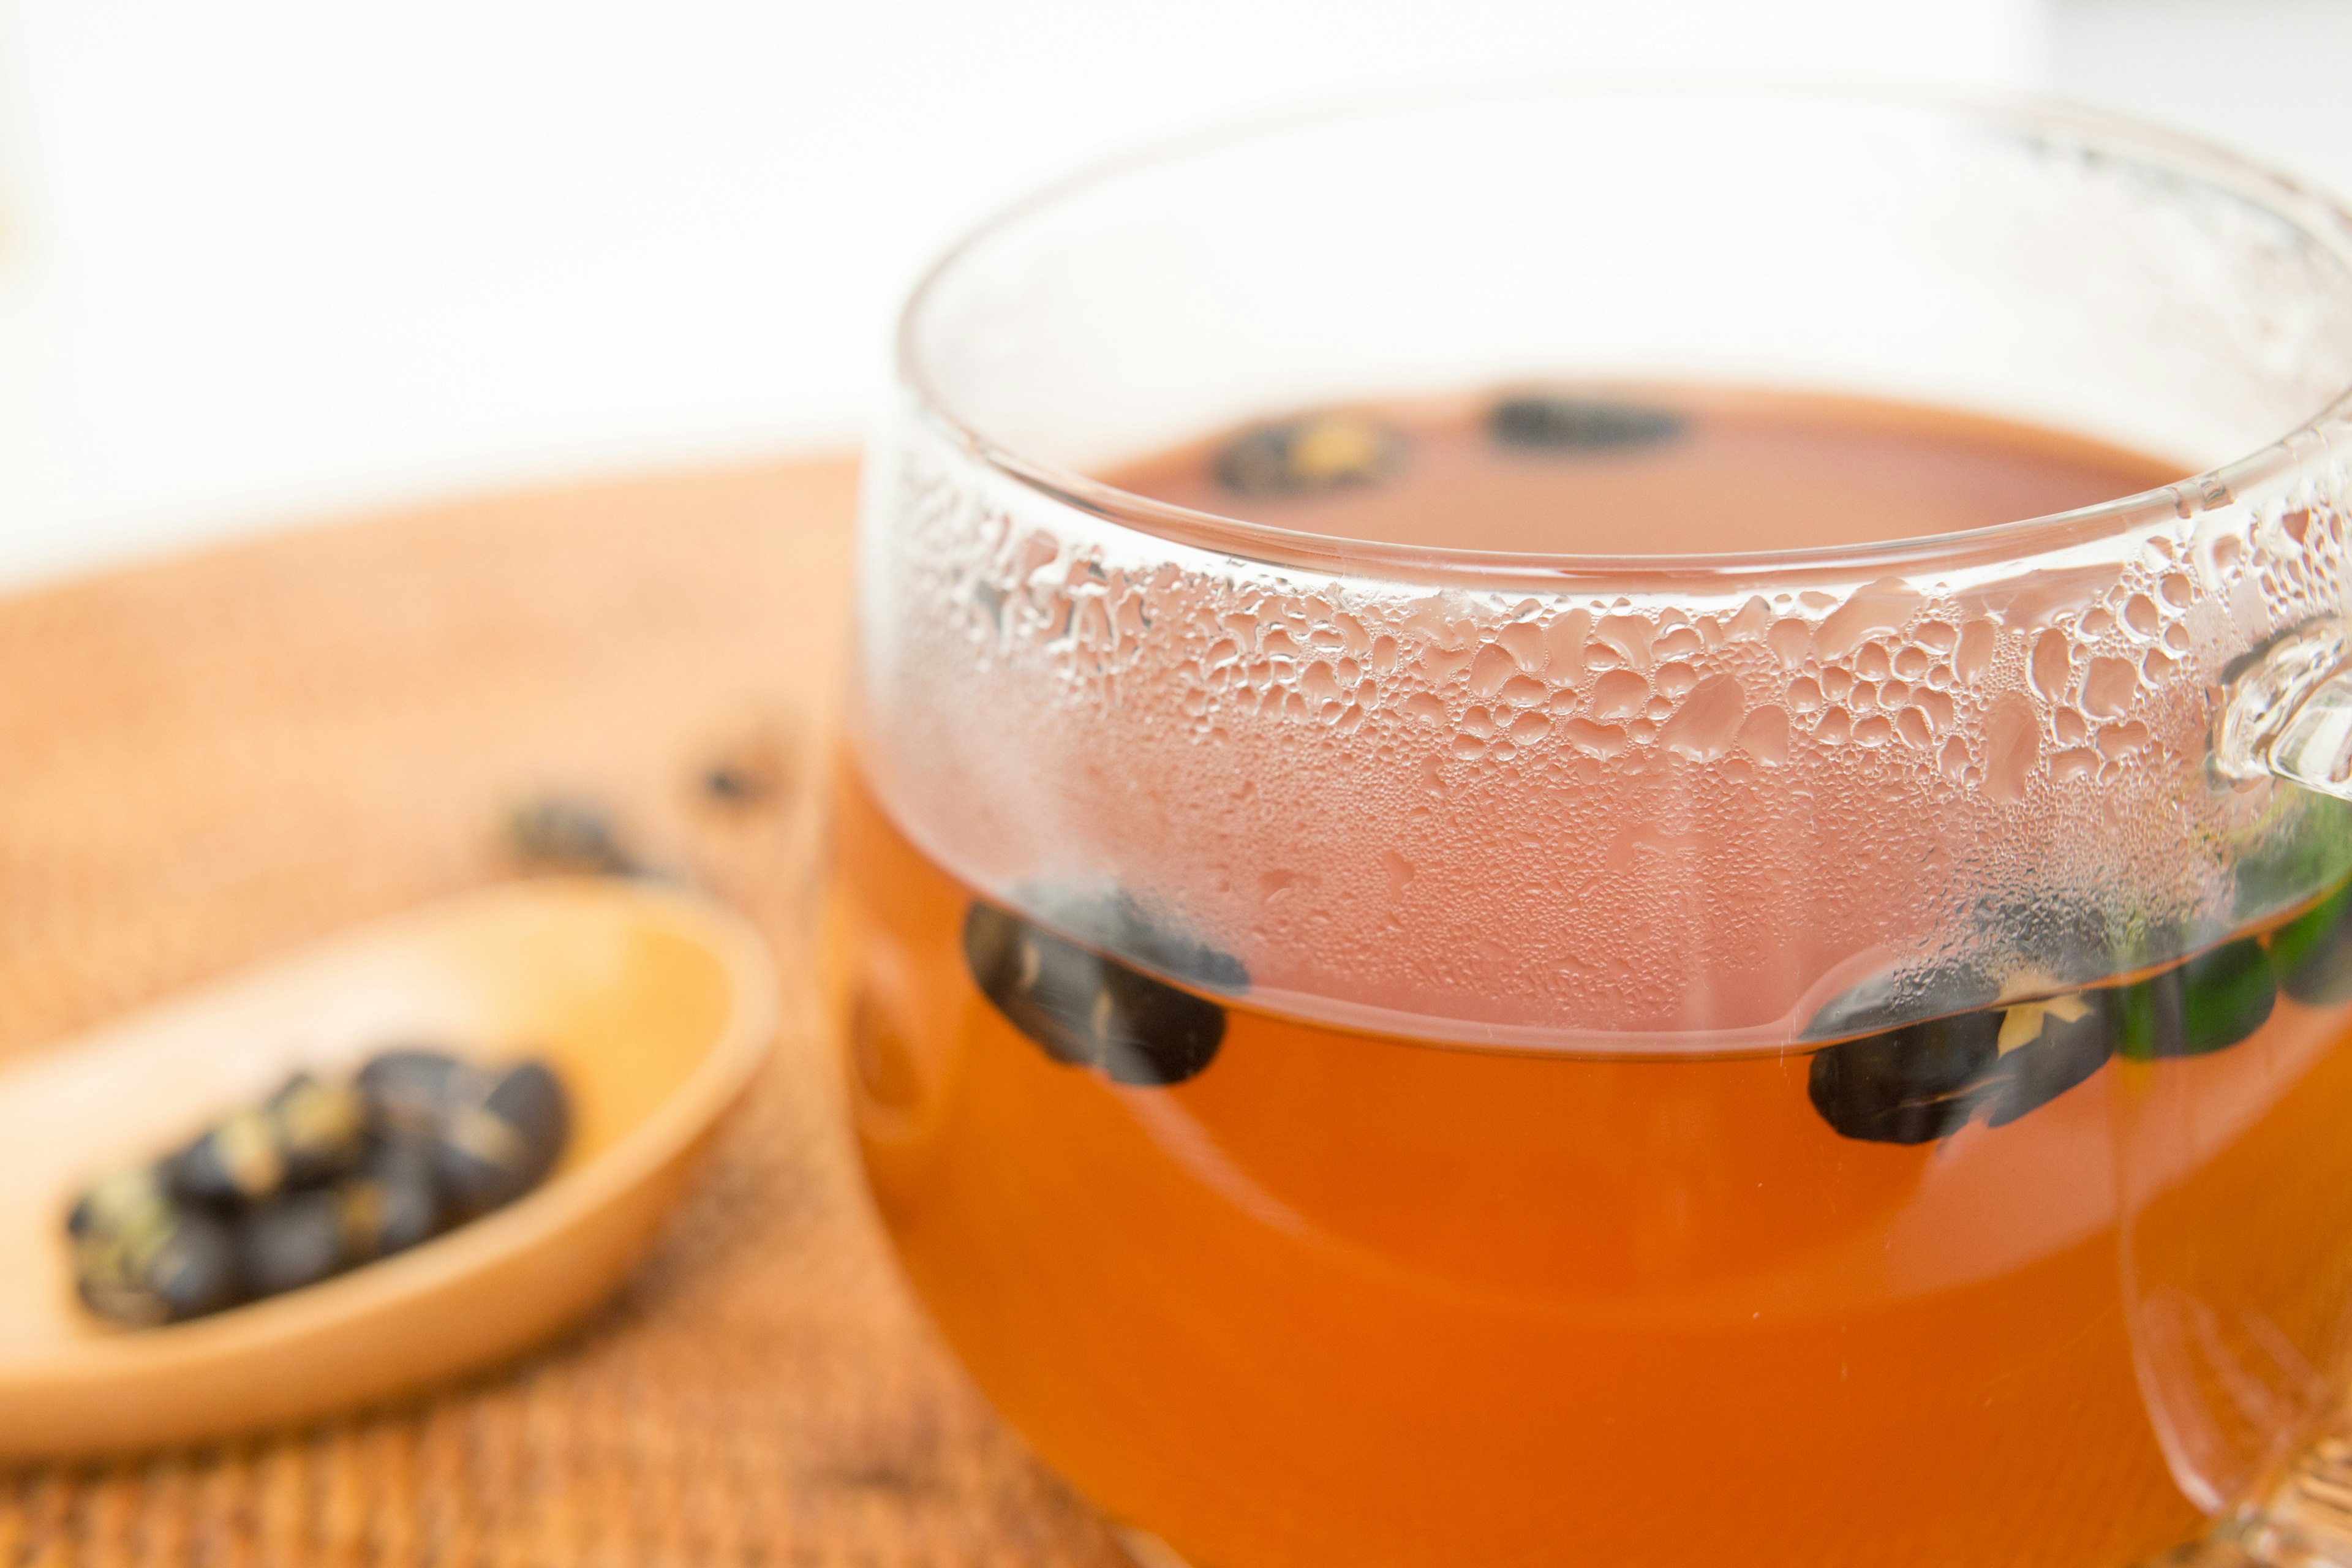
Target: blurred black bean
{"x":306,"y":1131}
{"x":290,"y":1241}
{"x":390,"y":1203}
{"x":1307,"y":456}
{"x":142,"y":1259}
{"x":2312,"y":954}
{"x":1087,"y":1010}
{"x":501,"y":1138}
{"x":1574,"y":424}
{"x":2211,"y":1001}
{"x":409,"y":1090}
{"x":559,"y":833}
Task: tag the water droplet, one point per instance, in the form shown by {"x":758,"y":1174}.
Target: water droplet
{"x":2108,"y":687}
{"x":2052,"y":663}
{"x":2123,"y":740}
{"x":1881,"y":606}
{"x":1564,"y":641}
{"x":1764,"y":735}
{"x":1974,"y":656}
{"x":1790,"y":640}
{"x":1619,"y":694}
{"x":1702,"y":730}
{"x":1492,"y":666}
{"x":1597,"y":739}
{"x":1629,"y":636}
{"x":2012,"y":746}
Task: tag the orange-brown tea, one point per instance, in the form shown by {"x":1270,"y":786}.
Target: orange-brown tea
{"x":1901,"y":1292}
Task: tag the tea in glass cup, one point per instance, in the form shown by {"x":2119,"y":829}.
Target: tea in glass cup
{"x":1609,"y":825}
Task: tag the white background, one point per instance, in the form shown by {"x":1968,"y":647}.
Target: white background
{"x":262,"y":259}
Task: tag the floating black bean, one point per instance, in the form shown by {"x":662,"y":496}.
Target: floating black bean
{"x":1306,"y":456}
{"x":1911,"y":1085}
{"x":1087,"y":1010}
{"x":1570,"y":424}
{"x":2046,"y":1048}
{"x":2214,"y":1000}
{"x":2312,"y":956}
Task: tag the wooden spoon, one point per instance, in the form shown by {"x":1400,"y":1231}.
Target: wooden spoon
{"x":652,"y":1005}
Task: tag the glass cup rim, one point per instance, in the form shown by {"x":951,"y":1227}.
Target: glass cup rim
{"x":2315,"y":212}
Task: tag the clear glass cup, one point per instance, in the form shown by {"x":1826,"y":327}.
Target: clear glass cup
{"x":1349,"y":1095}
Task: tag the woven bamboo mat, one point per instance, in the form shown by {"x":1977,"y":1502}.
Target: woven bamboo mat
{"x":206,"y":759}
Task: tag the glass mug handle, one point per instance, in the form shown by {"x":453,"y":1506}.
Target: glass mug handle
{"x":2286,"y":713}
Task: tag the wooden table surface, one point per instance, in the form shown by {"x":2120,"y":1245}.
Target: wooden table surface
{"x":206,"y":759}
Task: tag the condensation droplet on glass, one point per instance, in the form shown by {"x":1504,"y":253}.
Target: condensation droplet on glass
{"x":1620,"y":694}
{"x":2108,"y":687}
{"x":1972,"y":657}
{"x":1702,"y":728}
{"x":1764,"y":735}
{"x":2012,"y":746}
{"x":2052,"y":663}
{"x":1876,"y":607}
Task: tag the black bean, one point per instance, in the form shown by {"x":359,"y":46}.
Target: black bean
{"x":193,"y":1271}
{"x":2213,"y":1001}
{"x":293,"y":1240}
{"x":142,"y":1259}
{"x":1569,"y":424}
{"x":1307,"y":456}
{"x":1911,"y":1085}
{"x":2046,"y":1048}
{"x":306,"y":1131}
{"x":409,"y":1090}
{"x":2313,"y":954}
{"x":390,"y":1203}
{"x":1087,"y":1010}
{"x":500,"y":1137}
{"x":558,"y":833}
